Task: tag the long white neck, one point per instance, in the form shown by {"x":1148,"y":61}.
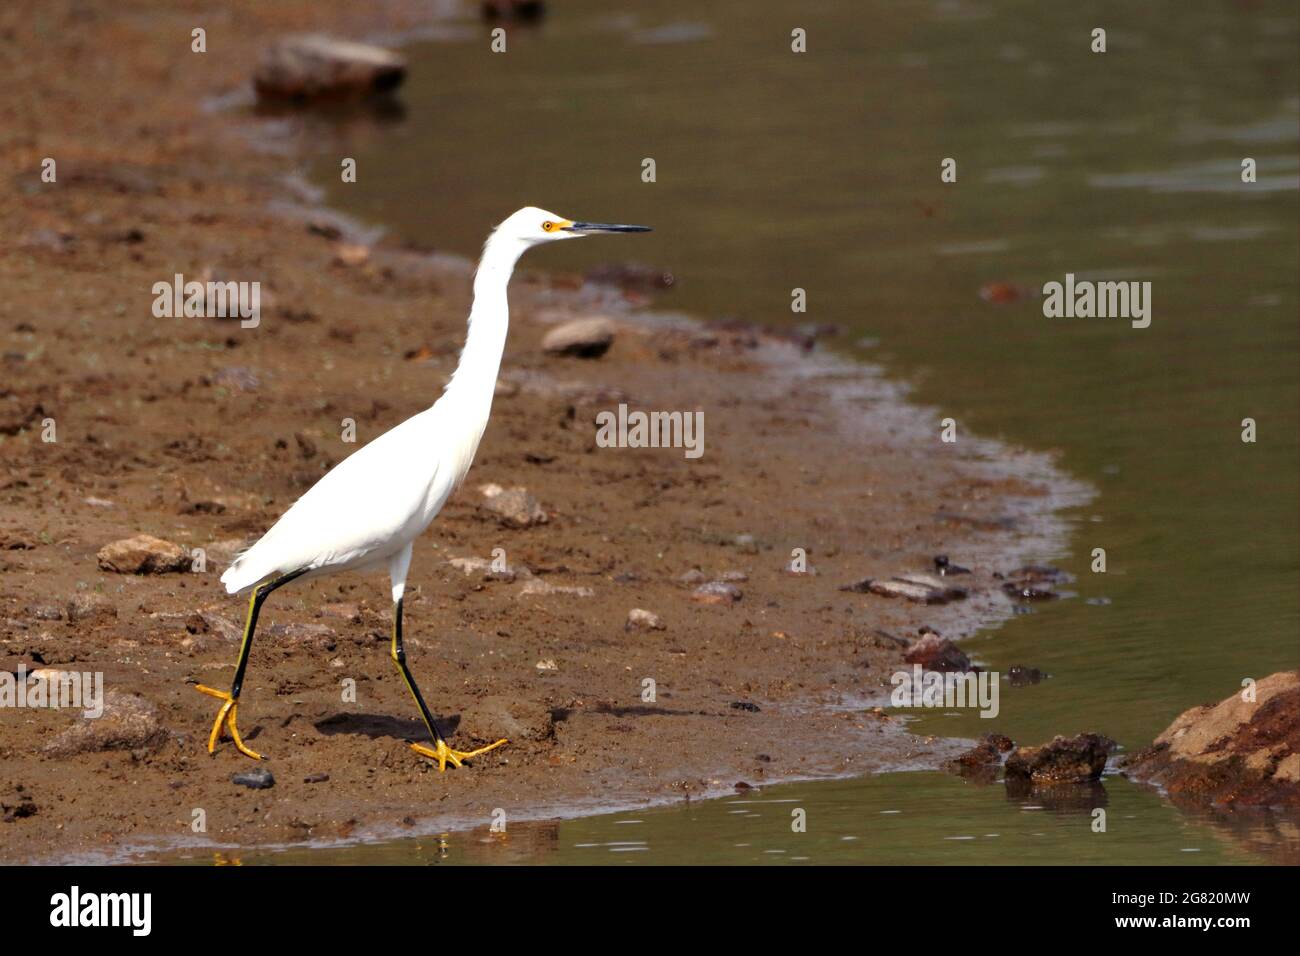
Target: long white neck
{"x":474,"y":381}
{"x":461,"y":414}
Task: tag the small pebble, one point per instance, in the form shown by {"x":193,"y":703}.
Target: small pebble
{"x":259,"y":779}
{"x":643,"y":620}
{"x":716,"y":592}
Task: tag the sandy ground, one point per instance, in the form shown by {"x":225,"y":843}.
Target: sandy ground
{"x":201,"y":433}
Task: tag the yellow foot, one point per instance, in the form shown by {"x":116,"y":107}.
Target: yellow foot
{"x":445,"y":755}
{"x":226,"y":717}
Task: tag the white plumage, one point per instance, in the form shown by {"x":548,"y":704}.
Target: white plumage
{"x":371,"y":507}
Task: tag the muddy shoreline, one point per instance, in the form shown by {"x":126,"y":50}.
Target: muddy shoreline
{"x":200,"y":432}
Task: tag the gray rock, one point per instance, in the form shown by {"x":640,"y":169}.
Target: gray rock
{"x":259,"y":778}
{"x":585,"y":338}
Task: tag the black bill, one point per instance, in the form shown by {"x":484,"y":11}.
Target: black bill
{"x":604,"y":227}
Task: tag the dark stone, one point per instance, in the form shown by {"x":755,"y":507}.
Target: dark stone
{"x":936,"y":653}
{"x":1022,"y":676}
{"x":257,"y":779}
{"x":983,"y":759}
{"x":946,"y":567}
{"x":1062,"y":760}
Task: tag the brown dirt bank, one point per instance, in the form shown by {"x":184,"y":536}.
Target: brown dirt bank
{"x":201,"y":433}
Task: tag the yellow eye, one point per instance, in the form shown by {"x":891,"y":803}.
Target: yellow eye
{"x":548,"y":226}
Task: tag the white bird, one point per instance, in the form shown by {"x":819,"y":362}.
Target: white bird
{"x":368,"y":511}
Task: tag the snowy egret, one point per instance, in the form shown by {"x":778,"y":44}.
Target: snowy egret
{"x":368,"y":510}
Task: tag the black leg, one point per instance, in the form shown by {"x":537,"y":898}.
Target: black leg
{"x":399,"y":658}
{"x":260,"y":594}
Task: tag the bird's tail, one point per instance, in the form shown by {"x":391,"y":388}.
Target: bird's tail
{"x":242,"y":574}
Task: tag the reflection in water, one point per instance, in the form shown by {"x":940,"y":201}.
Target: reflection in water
{"x":821,"y":171}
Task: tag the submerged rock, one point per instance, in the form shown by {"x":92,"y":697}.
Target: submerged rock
{"x":984,"y":758}
{"x":143,"y":554}
{"x":1025,"y":591}
{"x":1235,"y":753}
{"x":1034,"y":582}
{"x":311,"y":66}
{"x":1062,"y":760}
{"x":1021,"y":676}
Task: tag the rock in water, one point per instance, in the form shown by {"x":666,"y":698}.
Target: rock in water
{"x":1236,"y":753}
{"x":585,"y":338}
{"x":143,"y":554}
{"x":936,"y":653}
{"x":1063,"y":760}
{"x":983,"y":759}
{"x":313,"y":66}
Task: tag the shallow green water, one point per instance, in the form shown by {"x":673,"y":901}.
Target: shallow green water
{"x":894,"y":819}
{"x":821,"y":171}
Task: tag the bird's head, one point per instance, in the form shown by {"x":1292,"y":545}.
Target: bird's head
{"x":534,"y":226}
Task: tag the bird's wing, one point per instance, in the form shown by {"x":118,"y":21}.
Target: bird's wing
{"x":374,"y":499}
